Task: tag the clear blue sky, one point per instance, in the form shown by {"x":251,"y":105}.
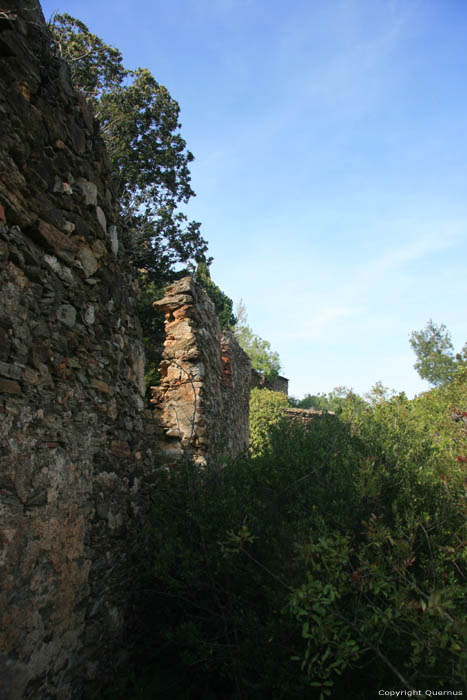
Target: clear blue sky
{"x":331,"y":166}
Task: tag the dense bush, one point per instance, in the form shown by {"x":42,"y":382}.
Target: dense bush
{"x":265,"y":413}
{"x":333,"y":563}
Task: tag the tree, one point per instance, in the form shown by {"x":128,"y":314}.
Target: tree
{"x":319,"y":402}
{"x":263,"y":359}
{"x":379,"y":393}
{"x":223,"y":303}
{"x":96,"y":67}
{"x":435,"y":353}
{"x":139,"y":122}
{"x":341,"y":400}
{"x":140,"y":126}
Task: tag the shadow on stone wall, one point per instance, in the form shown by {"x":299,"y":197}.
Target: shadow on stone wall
{"x":78,"y":445}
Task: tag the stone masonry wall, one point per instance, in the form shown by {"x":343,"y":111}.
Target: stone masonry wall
{"x":202,"y":402}
{"x":304,"y":415}
{"x":77,"y":445}
{"x":76,"y":468}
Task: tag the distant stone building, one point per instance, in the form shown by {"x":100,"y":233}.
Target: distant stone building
{"x":278,"y":383}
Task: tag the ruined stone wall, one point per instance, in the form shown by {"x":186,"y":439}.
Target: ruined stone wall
{"x":75,"y":467}
{"x":304,"y":415}
{"x":77,"y":444}
{"x":202,"y":402}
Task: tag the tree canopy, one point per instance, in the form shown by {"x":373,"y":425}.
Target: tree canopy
{"x":341,"y":400}
{"x":433,"y":347}
{"x":140,"y":126}
{"x":139,"y":123}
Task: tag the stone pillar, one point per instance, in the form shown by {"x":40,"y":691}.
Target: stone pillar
{"x":202,"y":402}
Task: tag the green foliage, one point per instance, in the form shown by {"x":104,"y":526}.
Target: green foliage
{"x":265,"y":412}
{"x":96,"y":67}
{"x":139,"y":123}
{"x":263,"y":359}
{"x":140,"y":126}
{"x":394,"y":576}
{"x":223,"y":304}
{"x":379,"y":393}
{"x":332,"y":563}
{"x":435,"y":353}
{"x":152,"y":324}
{"x":340,"y":400}
{"x":319,"y":402}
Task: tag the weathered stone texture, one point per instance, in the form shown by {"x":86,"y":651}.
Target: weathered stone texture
{"x":304,"y":415}
{"x":202,"y":401}
{"x":77,"y":444}
{"x":75,"y":464}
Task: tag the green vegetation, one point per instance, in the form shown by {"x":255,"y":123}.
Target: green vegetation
{"x":222,"y":303}
{"x":433,"y":347}
{"x":333,"y":560}
{"x":330,"y":563}
{"x":139,"y":123}
{"x":152,"y":325}
{"x":265,"y":413}
{"x":140,"y":126}
{"x":263,"y":359}
{"x":339,"y":397}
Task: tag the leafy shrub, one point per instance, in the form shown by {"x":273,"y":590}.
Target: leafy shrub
{"x":332,"y":562}
{"x":265,"y":412}
{"x":263,"y":358}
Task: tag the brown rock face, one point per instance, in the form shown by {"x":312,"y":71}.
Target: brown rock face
{"x":202,"y":402}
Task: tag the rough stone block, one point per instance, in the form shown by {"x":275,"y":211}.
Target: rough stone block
{"x":65,"y":248}
{"x":88,"y":261}
{"x":67,"y":314}
{"x":8,"y":386}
